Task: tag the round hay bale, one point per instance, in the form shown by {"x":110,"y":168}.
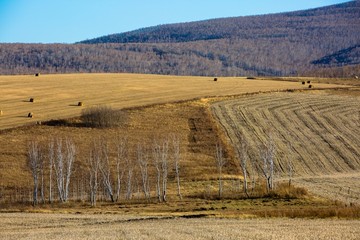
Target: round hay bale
{"x":1,"y":112}
{"x":303,"y":83}
{"x":37,"y":74}
{"x":32,"y":100}
{"x":215,"y":79}
{"x":80,"y":104}
{"x":308,"y":82}
{"x":310,"y":86}
{"x":30,"y":115}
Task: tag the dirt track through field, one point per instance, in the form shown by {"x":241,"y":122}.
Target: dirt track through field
{"x":57,"y":96}
{"x":110,"y":226}
{"x":319,"y":134}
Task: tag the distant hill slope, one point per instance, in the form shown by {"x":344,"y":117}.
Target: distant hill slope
{"x":300,"y":24}
{"x":294,"y":43}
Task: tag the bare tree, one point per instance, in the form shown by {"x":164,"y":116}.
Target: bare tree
{"x":70,"y":158}
{"x":143,"y":160}
{"x":51,"y":163}
{"x":164,"y":167}
{"x":122,"y":155}
{"x":176,"y":155}
{"x":94,"y":163}
{"x":160,"y":156}
{"x":105,"y":168}
{"x":156,"y":158}
{"x":268,"y":152}
{"x":63,"y":162}
{"x":220,"y":162}
{"x":59,"y":169}
{"x":253,"y":175}
{"x":34,"y":161}
{"x":290,"y":163}
{"x":42,"y":168}
{"x":129,"y":181}
{"x":243,"y":158}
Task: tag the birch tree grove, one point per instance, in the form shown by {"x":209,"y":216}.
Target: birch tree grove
{"x":109,"y":171}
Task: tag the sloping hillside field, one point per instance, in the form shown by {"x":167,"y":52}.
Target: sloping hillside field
{"x":57,"y":96}
{"x":317,"y":134}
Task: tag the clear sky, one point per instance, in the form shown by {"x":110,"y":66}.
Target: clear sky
{"x":69,"y":21}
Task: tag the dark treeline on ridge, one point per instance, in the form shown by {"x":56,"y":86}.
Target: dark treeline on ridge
{"x":319,"y":42}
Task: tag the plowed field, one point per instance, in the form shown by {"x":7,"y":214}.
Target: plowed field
{"x":317,"y":133}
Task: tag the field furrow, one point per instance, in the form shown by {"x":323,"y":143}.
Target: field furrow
{"x":317,"y":133}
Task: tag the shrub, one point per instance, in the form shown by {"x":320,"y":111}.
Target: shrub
{"x":102,"y":117}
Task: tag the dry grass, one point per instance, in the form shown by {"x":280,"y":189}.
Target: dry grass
{"x":58,"y":95}
{"x":114,"y":226}
{"x":196,"y":143}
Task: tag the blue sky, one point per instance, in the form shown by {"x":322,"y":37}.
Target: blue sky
{"x":69,"y":21}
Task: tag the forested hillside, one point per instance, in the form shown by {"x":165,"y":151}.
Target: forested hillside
{"x":323,"y":41}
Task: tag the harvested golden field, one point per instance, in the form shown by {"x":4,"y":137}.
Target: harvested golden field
{"x":320,"y":125}
{"x":114,"y":226}
{"x":316,"y":133}
{"x":57,"y":96}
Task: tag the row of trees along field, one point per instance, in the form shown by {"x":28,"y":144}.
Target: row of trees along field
{"x":109,"y":171}
{"x":295,"y":43}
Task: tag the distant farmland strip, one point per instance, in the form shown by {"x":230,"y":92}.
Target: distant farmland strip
{"x":318,"y":133}
{"x":57,"y":95}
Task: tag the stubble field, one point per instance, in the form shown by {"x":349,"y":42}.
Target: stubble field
{"x":317,"y":134}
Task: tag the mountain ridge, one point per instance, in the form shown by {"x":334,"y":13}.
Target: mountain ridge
{"x":175,"y":32}
{"x":282,"y":44}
